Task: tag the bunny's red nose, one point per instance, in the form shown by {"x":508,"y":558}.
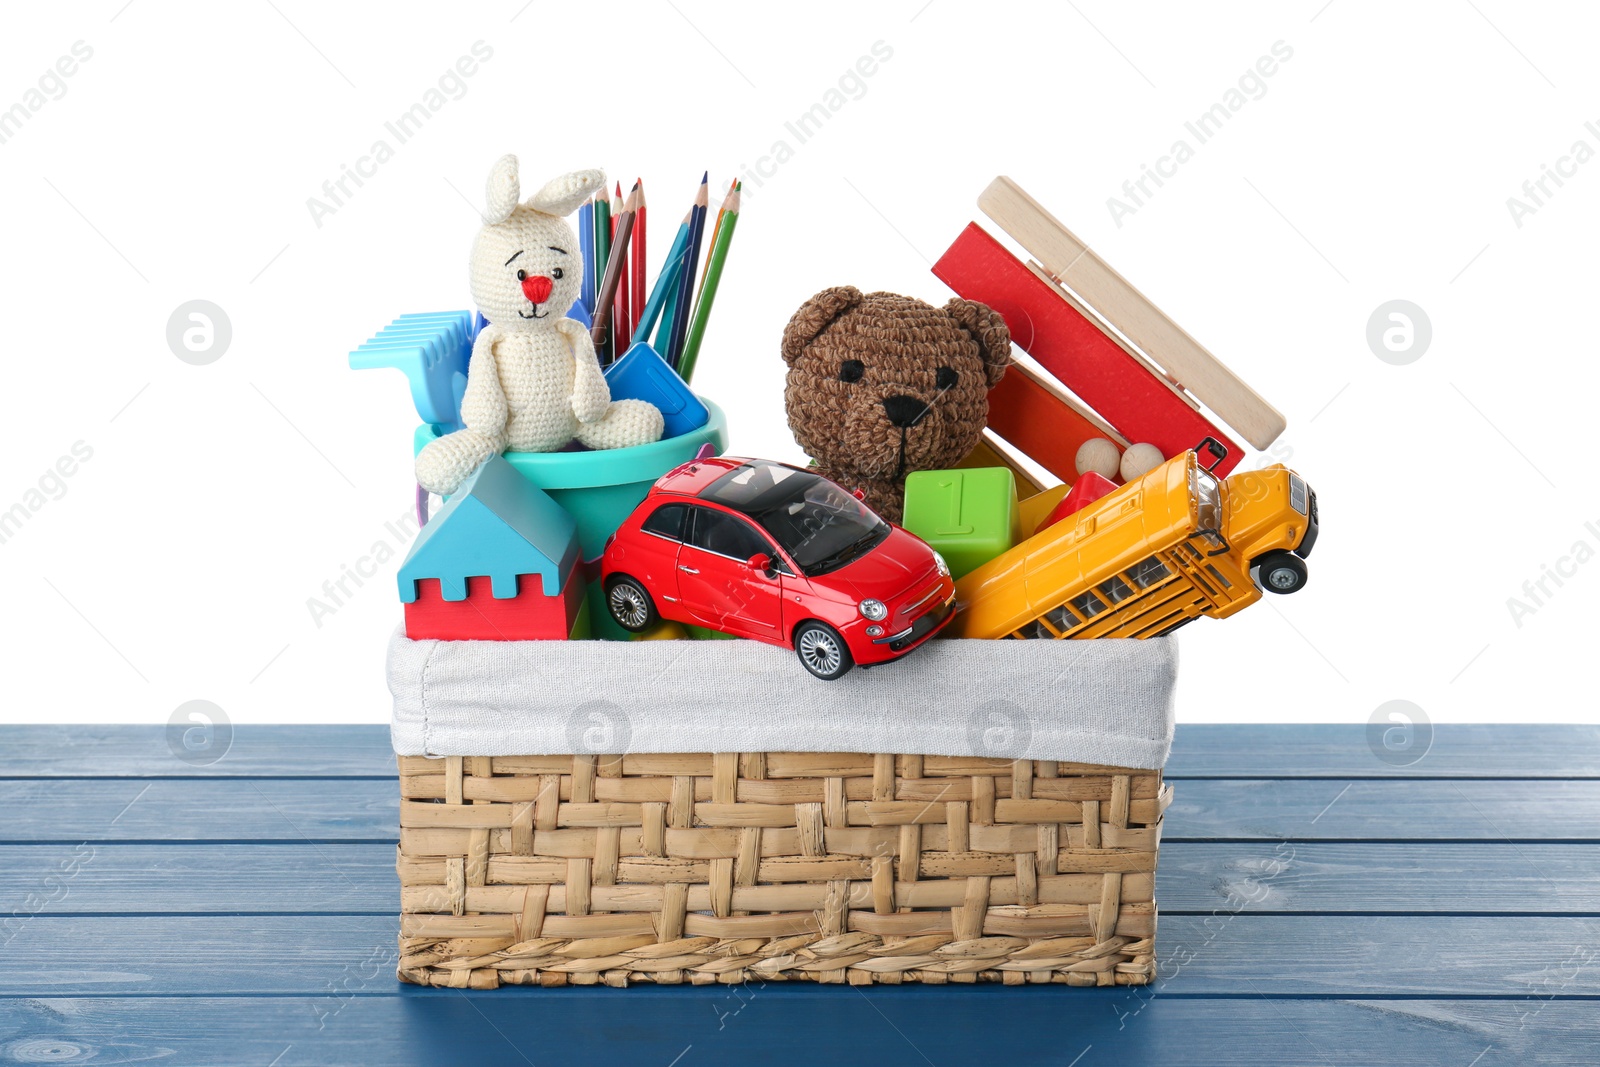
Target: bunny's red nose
{"x":536,"y":287}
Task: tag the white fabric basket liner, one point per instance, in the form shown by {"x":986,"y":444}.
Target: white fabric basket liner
{"x":1104,"y":701}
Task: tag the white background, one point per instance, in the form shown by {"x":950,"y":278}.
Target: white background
{"x":1377,"y":165}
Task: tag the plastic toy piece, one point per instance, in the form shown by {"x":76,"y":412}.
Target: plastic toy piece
{"x":1113,"y":297}
{"x":641,"y":374}
{"x":664,"y":631}
{"x":528,"y":616}
{"x":432,"y":351}
{"x":778,"y":554}
{"x":498,"y":562}
{"x":968,"y":516}
{"x":1085,"y":491}
{"x":990,"y":452}
{"x":600,"y":488}
{"x":1041,"y":422}
{"x":1140,"y":403}
{"x":1148,"y":558}
{"x":1033,"y":510}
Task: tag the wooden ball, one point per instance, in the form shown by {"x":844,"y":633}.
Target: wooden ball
{"x":1139,"y":460}
{"x":1098,"y":455}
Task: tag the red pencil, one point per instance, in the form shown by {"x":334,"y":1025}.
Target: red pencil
{"x":638,"y":252}
{"x":620,"y":322}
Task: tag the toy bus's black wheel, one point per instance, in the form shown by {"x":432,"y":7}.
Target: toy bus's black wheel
{"x":630,"y":604}
{"x":1281,"y":572}
{"x":822,"y":651}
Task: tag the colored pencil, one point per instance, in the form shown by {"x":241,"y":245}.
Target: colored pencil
{"x":712,"y":243}
{"x":666,"y":282}
{"x":715,"y":260}
{"x":586,"y":245}
{"x":602,"y":242}
{"x":603,"y":330}
{"x":691,"y":264}
{"x":636,"y":295}
{"x":622,"y":314}
{"x":612,"y":351}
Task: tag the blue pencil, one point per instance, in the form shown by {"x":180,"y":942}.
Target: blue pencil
{"x":691,"y":264}
{"x":586,"y":246}
{"x":666,"y":282}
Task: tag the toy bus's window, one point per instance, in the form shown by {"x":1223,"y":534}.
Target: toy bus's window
{"x":1218,"y":576}
{"x":1087,"y":605}
{"x":667,"y":521}
{"x":1115,"y":589}
{"x":1215,"y":538}
{"x":727,"y":535}
{"x":1035,"y":629}
{"x":1148,"y":572}
{"x":1061,"y":618}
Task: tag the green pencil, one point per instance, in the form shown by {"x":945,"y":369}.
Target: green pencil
{"x":708,"y":289}
{"x":602,"y":237}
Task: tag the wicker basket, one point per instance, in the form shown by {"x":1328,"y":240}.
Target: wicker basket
{"x":765,"y":866}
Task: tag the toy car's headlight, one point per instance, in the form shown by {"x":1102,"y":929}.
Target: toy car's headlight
{"x":873,"y":609}
{"x":944,"y":568}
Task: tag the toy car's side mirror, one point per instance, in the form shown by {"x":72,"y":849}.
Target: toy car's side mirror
{"x":760,"y":562}
{"x":858,"y":494}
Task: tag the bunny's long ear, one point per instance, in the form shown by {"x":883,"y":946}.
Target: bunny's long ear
{"x":562,"y":195}
{"x":503,"y":190}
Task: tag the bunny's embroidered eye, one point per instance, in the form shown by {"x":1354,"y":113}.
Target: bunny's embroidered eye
{"x":946,"y":378}
{"x":557,"y":273}
{"x":851,"y":370}
{"x":522,"y":275}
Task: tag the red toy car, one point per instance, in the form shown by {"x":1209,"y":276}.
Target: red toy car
{"x":772,"y":552}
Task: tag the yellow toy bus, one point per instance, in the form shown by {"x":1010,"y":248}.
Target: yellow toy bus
{"x":1141,"y":562}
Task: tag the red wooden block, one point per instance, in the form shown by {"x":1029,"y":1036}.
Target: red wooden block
{"x":528,"y":616}
{"x":1042,"y":425}
{"x":1085,"y":491}
{"x":1082,"y":356}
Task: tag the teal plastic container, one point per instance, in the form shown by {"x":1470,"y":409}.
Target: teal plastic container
{"x":600,"y":489}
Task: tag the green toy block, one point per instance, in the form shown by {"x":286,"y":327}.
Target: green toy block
{"x":969,"y":515}
{"x":581,"y":631}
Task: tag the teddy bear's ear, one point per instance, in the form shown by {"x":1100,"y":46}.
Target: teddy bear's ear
{"x":989,"y":330}
{"x":814,"y":316}
{"x":503,"y":189}
{"x":562,"y":196}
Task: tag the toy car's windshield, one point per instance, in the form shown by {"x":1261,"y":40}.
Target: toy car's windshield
{"x":819,"y":525}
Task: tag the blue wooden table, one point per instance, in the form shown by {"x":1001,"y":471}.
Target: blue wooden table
{"x":1318,"y":906}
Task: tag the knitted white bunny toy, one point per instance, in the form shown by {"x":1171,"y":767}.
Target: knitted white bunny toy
{"x":534,"y":383}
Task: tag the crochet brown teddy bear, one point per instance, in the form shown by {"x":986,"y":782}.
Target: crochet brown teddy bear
{"x":881,"y":385}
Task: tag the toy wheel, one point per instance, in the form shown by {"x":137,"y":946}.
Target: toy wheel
{"x":822,"y":651}
{"x":630,"y":604}
{"x":1281,"y":572}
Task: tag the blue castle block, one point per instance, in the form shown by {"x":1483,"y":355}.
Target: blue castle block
{"x":498,"y":525}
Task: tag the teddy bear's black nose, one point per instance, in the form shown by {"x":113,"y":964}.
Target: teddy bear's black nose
{"x":904,"y":411}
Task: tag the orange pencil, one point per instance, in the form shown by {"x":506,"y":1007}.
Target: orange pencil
{"x":721,"y":211}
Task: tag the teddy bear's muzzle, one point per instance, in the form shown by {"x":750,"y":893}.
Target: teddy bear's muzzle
{"x":904,"y":411}
{"x":892,"y":434}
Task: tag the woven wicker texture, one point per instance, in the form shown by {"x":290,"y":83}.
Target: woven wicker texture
{"x":582,"y":870}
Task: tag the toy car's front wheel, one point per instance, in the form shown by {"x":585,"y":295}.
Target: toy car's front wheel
{"x":822,"y":651}
{"x":1281,"y":572}
{"x":630,"y":604}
